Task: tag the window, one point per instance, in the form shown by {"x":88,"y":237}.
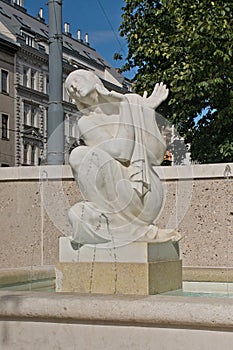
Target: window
{"x":33,"y":116}
{"x":25,"y":153}
{"x":29,"y":38}
{"x":30,"y":115}
{"x":4,"y":81}
{"x":46,"y":33}
{"x":30,"y":78}
{"x":33,"y":79}
{"x":32,"y":155}
{"x":101,"y":61}
{"x":65,"y":94}
{"x":22,"y":22}
{"x":47,"y":85}
{"x":26,"y":112}
{"x":69,"y":45}
{"x":2,"y":11}
{"x":25,"y":76}
{"x":90,"y":56}
{"x":72,"y":128}
{"x":19,"y":2}
{"x":41,"y":48}
{"x":5,"y":128}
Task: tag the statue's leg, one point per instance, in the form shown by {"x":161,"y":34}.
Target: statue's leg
{"x":76,"y":159}
{"x":97,"y":175}
{"x":88,"y":224}
{"x":105,"y":182}
{"x":100,"y":179}
{"x":110,"y":202}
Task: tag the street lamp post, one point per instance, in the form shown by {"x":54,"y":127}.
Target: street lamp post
{"x":55,"y":145}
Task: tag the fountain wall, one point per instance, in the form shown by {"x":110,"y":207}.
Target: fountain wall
{"x":201,"y":195}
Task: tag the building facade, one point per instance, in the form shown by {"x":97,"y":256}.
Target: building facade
{"x":24,"y":90}
{"x":7,"y":97}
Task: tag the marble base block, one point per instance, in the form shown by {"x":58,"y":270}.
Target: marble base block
{"x":139,"y":268}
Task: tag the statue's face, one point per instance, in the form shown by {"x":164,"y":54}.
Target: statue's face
{"x":82,"y":88}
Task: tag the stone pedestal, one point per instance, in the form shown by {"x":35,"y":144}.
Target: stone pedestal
{"x":139,"y":268}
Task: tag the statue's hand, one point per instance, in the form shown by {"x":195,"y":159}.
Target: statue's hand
{"x":159,"y":94}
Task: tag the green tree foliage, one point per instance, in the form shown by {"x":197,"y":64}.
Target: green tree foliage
{"x":188,"y":45}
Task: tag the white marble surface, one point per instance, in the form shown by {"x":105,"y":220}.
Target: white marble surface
{"x":136,"y":252}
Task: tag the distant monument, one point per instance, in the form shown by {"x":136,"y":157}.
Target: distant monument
{"x":121,"y":142}
{"x":116,"y":247}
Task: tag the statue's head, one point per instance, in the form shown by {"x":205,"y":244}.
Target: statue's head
{"x":84,"y":86}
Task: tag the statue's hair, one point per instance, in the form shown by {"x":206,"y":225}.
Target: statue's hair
{"x":97,"y":83}
{"x":86,"y":74}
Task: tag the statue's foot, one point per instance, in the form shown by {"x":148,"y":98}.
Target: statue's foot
{"x":75,"y":245}
{"x":158,"y":235}
{"x":165,"y":235}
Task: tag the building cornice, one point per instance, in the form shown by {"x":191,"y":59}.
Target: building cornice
{"x":29,"y":93}
{"x":8,"y":46}
{"x":34,"y":53}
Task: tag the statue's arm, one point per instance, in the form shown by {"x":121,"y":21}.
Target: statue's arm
{"x":118,"y":145}
{"x":118,"y":149}
{"x":123,"y":144}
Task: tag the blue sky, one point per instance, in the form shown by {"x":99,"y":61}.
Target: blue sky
{"x":99,"y":18}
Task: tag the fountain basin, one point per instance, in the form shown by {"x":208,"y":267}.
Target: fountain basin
{"x":36,"y":278}
{"x":75,"y":321}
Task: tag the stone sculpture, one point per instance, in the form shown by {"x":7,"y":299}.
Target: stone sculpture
{"x":121,"y":143}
